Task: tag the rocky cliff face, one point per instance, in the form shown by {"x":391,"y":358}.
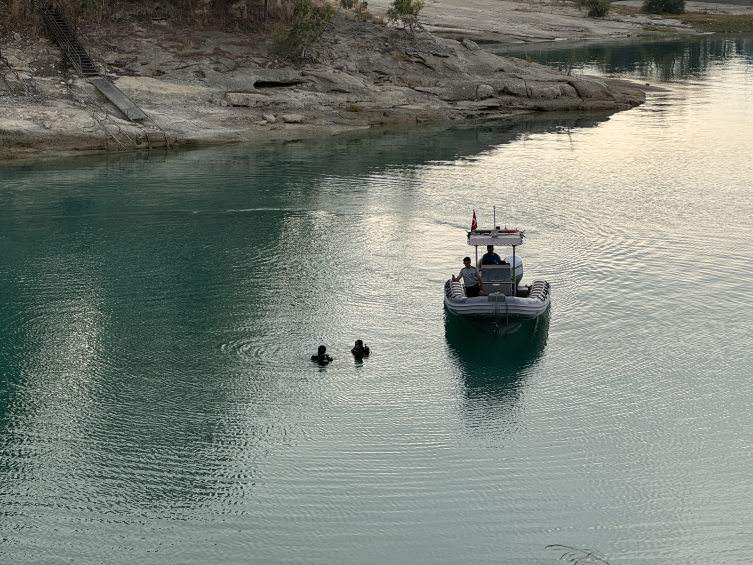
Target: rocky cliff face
{"x":204,"y":87}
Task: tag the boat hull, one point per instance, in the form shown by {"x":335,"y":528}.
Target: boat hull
{"x":497,"y":305}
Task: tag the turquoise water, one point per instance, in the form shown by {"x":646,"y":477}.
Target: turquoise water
{"x":157,"y":404}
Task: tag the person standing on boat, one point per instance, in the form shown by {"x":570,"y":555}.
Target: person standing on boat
{"x":472,"y":279}
{"x":490,"y":258}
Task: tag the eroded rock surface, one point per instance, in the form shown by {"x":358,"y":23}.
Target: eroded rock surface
{"x":210,"y":87}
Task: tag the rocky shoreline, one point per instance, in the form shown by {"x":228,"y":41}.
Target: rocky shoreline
{"x":205,"y":87}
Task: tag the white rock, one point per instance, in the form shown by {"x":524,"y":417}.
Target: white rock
{"x":484,"y":91}
{"x":246,"y":99}
{"x":269,"y":117}
{"x":292,"y":118}
{"x":17,"y":36}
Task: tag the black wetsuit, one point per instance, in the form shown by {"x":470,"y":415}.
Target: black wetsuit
{"x":322,"y":359}
{"x":361,"y":352}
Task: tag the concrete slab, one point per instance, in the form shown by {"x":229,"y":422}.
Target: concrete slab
{"x":125,"y":105}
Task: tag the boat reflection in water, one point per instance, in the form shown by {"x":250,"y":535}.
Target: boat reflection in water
{"x":482,"y":355}
{"x":493,"y":370}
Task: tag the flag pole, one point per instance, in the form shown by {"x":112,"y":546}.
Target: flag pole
{"x":474,"y":226}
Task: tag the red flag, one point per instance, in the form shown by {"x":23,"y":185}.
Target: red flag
{"x":474,"y":224}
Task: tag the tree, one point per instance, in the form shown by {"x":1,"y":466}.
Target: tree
{"x":360,"y":9}
{"x":597,"y":8}
{"x":664,"y":6}
{"x":309,"y":23}
{"x":406,"y":12}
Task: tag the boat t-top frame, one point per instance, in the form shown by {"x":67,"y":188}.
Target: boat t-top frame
{"x":496,"y":237}
{"x":509,"y":237}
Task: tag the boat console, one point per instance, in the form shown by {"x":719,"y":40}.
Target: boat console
{"x":497,"y":278}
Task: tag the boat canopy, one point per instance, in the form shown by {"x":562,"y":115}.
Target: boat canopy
{"x":495,"y":237}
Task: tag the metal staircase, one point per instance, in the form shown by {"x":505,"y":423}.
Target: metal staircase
{"x":64,"y":36}
{"x":62,"y":31}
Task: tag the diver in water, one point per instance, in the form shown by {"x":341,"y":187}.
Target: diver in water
{"x":360,"y":350}
{"x":321,"y":356}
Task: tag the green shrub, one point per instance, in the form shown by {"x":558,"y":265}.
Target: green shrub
{"x":360,"y":9}
{"x":282,"y":44}
{"x":406,"y":12}
{"x":597,"y":8}
{"x":361,"y":12}
{"x":664,"y":6}
{"x":309,"y":23}
{"x":93,"y":7}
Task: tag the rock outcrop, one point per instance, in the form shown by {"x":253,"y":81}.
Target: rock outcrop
{"x":362,"y":75}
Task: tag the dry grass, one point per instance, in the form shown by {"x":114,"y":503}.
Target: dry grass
{"x":188,"y":48}
{"x":19,"y":16}
{"x":156,"y":71}
{"x":625,"y":10}
{"x":717,"y":23}
{"x":545,"y":3}
{"x":282,"y":13}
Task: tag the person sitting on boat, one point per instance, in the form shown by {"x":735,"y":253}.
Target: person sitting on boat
{"x":321,"y":356}
{"x":490,"y":258}
{"x":472,"y":279}
{"x":360,"y":350}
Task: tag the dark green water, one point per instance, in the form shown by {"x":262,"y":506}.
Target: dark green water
{"x":661,"y":60}
{"x":157,"y":404}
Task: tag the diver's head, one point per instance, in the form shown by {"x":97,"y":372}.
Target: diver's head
{"x":321,"y":350}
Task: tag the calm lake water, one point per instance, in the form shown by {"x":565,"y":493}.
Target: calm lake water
{"x":157,"y":312}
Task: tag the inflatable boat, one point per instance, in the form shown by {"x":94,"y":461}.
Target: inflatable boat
{"x":503,"y":295}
